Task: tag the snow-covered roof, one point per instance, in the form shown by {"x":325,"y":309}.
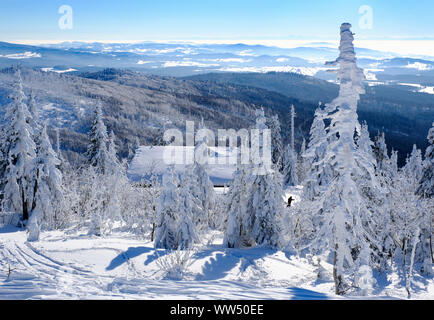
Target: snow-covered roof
{"x":151,"y":160}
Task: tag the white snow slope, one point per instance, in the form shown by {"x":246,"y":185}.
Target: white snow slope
{"x":120,"y":267}
{"x":73,"y":265}
{"x":77,"y":266}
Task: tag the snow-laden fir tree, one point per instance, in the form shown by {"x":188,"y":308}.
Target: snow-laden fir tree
{"x":426,"y":191}
{"x":47,"y":208}
{"x":97,"y":150}
{"x":264,"y":193}
{"x":302,"y":165}
{"x":104,"y":177}
{"x":238,"y":228}
{"x":290,"y":167}
{"x":346,"y":228}
{"x":290,"y":157}
{"x":34,"y":112}
{"x":318,"y":173}
{"x":168,"y":212}
{"x":408,"y":220}
{"x":426,"y":184}
{"x":413,"y":167}
{"x":202,"y":188}
{"x":186,"y":235}
{"x":276,"y":143}
{"x":113,"y":165}
{"x":380,"y":150}
{"x":19,"y":150}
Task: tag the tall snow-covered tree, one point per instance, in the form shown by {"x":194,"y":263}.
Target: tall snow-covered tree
{"x":105,"y":176}
{"x":346,"y":229}
{"x":168,"y":212}
{"x":276,"y":143}
{"x":318,"y":173}
{"x":34,"y":112}
{"x":97,"y":151}
{"x":19,"y":149}
{"x":290,"y":157}
{"x":48,"y":200}
{"x":202,"y":188}
{"x":302,"y":166}
{"x":290,"y":167}
{"x":426,"y":191}
{"x":264,"y":194}
{"x":413,"y":167}
{"x":238,"y":228}
{"x":187,"y":235}
{"x":426,"y":183}
{"x":380,"y":150}
{"x":113,"y":166}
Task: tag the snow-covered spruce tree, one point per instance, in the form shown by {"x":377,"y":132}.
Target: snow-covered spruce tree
{"x":19,"y":150}
{"x":380,"y":151}
{"x":346,"y":229}
{"x":426,"y":191}
{"x":264,"y":193}
{"x":104,"y":177}
{"x":47,"y":208}
{"x":413,"y":167}
{"x":34,"y":112}
{"x":302,"y":165}
{"x":113,"y":165}
{"x":202,"y":188}
{"x":426,"y":183}
{"x":318,"y":173}
{"x":290,"y":157}
{"x":168,"y":212}
{"x":419,"y":209}
{"x":186,"y":235}
{"x":408,"y":213}
{"x":238,"y":228}
{"x":97,"y":151}
{"x":276,"y":143}
{"x":290,"y":167}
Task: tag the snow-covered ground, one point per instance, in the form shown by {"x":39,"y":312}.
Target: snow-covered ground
{"x":77,"y":266}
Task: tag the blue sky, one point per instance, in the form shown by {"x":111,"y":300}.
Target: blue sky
{"x":103,"y":20}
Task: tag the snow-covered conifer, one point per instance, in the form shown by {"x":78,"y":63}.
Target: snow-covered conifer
{"x":20,"y":150}
{"x":97,"y":151}
{"x":48,"y":200}
{"x":264,"y":194}
{"x":238,"y":228}
{"x":186,"y":231}
{"x":290,"y":167}
{"x":346,"y":229}
{"x":276,"y":143}
{"x":426,"y":183}
{"x":168,"y":212}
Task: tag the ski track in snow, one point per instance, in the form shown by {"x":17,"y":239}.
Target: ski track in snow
{"x":122,"y":267}
{"x":40,"y":273}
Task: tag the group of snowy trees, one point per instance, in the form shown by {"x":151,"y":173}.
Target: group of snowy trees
{"x":30,"y":181}
{"x":357,"y":206}
{"x":186,"y":206}
{"x":254,"y":203}
{"x":47,"y":193}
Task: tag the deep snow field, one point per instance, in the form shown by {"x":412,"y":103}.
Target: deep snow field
{"x":77,"y":266}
